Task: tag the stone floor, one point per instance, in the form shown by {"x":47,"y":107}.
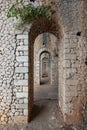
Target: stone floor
{"x":46,"y":113}
{"x":44,"y":92}
{"x":47,"y":116}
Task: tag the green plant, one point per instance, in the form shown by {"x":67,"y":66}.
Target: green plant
{"x":28,"y":13}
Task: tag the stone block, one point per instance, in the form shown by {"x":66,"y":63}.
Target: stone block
{"x":67,"y":63}
{"x":21,"y":119}
{"x":22,"y":48}
{"x":26,"y":76}
{"x":25,"y":42}
{"x":20,"y":82}
{"x":22,"y":36}
{"x":25,"y":53}
{"x":26,"y":100}
{"x":71,"y":91}
{"x":22,"y":94}
{"x":21,"y":69}
{"x":22,"y":58}
{"x":26,"y":64}
{"x":25,"y":89}
{"x":25,"y":112}
{"x":70,"y":56}
{"x":71,"y":71}
{"x":66,"y":45}
{"x":71,"y":82}
{"x":22,"y":106}
{"x":67,"y":50}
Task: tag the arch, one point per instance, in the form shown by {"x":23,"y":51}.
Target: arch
{"x":41,"y":51}
{"x":44,"y":25}
{"x":44,"y":69}
{"x":44,"y":55}
{"x":38,"y":27}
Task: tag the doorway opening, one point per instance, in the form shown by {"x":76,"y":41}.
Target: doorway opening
{"x":45,"y":68}
{"x":43,"y":63}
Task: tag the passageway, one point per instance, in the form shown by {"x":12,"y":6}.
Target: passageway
{"x":45,"y":76}
{"x":44,"y":80}
{"x":45,"y":91}
{"x":44,"y":65}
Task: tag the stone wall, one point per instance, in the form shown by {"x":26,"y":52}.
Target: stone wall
{"x":51,"y":48}
{"x":7,"y":58}
{"x":20,"y":102}
{"x":71,"y":18}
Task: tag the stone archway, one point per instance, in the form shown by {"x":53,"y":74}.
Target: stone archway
{"x":38,"y":27}
{"x":45,"y":67}
{"x":37,"y":66}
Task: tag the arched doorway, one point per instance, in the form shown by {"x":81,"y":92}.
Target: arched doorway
{"x":45,"y":68}
{"x":38,"y":27}
{"x":38,"y":58}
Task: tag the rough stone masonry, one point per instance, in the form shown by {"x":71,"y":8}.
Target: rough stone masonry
{"x":71,"y":17}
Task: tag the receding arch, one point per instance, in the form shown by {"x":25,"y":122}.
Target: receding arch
{"x":38,"y":55}
{"x":44,"y":55}
{"x":42,"y":51}
{"x":37,"y":28}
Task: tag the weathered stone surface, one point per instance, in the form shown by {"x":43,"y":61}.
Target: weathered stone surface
{"x":22,"y":58}
{"x":20,"y":119}
{"x":26,"y":100}
{"x":22,"y":106}
{"x":26,"y":64}
{"x":22,"y":36}
{"x":70,"y":55}
{"x":22,"y":48}
{"x":22,"y":95}
{"x":20,"y":82}
{"x":21,"y":70}
{"x":25,"y":112}
{"x":25,"y":89}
